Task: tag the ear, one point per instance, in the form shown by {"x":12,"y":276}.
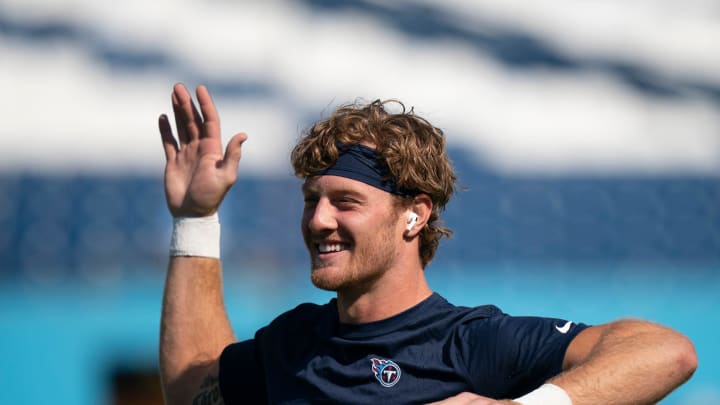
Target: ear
{"x":421,"y":207}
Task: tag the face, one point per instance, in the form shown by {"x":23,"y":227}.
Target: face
{"x":352,"y":231}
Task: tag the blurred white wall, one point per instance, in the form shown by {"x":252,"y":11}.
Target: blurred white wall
{"x":553,"y":87}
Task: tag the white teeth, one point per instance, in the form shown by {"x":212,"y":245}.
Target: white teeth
{"x":329,"y":247}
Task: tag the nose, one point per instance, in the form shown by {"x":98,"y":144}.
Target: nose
{"x":320,"y":217}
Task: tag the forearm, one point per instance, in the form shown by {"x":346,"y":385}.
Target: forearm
{"x":633,"y":362}
{"x":194,"y":326}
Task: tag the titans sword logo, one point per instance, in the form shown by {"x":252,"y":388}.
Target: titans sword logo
{"x":386,"y":372}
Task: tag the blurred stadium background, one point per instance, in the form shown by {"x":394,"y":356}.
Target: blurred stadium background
{"x":587,"y":135}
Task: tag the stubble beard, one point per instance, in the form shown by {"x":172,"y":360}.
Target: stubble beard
{"x":367,"y":263}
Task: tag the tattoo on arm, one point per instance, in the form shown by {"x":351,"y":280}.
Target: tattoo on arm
{"x":209,"y":392}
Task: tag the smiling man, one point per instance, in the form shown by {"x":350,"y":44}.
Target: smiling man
{"x":375,"y":183}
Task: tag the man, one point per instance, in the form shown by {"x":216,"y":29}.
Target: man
{"x":375,"y":184}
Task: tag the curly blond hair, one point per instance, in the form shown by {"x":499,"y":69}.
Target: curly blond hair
{"x":413,"y":149}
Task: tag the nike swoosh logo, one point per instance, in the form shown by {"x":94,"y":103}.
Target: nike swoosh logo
{"x":565,"y":328}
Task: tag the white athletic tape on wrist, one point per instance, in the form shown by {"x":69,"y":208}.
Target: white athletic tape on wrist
{"x":546,"y":394}
{"x":196,"y":236}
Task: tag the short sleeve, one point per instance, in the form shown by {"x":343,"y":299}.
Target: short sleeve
{"x":242,"y":380}
{"x":511,"y":356}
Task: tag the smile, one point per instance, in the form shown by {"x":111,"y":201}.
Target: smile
{"x":331,"y":247}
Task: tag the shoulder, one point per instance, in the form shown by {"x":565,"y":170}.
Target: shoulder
{"x":440,"y":314}
{"x":306,"y":318}
{"x":489,"y":327}
{"x":243,"y":364}
{"x":306,"y":312}
{"x":508,"y":328}
{"x":477,"y":317}
{"x":439,"y":304}
{"x":483,"y":312}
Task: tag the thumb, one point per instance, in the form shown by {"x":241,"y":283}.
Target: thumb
{"x":233,"y":153}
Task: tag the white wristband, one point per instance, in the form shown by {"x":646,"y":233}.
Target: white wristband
{"x":547,"y":394}
{"x":196,"y":236}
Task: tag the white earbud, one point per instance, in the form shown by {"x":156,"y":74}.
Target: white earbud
{"x":412,"y":219}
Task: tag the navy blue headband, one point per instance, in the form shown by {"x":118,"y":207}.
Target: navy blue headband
{"x":361,"y":163}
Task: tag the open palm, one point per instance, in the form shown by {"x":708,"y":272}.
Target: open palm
{"x":197,"y":174}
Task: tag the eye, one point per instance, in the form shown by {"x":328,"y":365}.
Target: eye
{"x":346,"y":202}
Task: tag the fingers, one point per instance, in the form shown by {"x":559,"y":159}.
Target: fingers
{"x":211,"y":125}
{"x":233,"y":153}
{"x":187,"y":117}
{"x":169,"y":143}
{"x":182,"y":133}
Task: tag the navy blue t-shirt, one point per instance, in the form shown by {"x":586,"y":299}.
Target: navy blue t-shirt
{"x":430,"y":352}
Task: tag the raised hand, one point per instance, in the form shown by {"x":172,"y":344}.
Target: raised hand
{"x":197,"y":174}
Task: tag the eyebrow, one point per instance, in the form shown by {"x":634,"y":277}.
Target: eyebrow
{"x":306,"y":189}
